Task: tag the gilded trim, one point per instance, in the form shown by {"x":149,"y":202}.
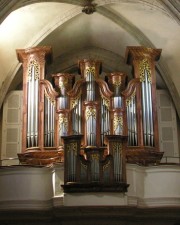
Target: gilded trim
{"x":118,"y":120}
{"x":106,"y":165}
{"x":90,"y":112}
{"x":130,"y":98}
{"x":74,"y":101}
{"x":36,"y":68}
{"x":63,"y":120}
{"x":90,"y":69}
{"x":117,"y":147}
{"x":72,"y":147}
{"x":144,"y":66}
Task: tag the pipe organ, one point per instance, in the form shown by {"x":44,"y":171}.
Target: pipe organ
{"x":93,"y":125}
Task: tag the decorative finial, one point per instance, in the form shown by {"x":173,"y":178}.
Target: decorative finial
{"x":89,"y":7}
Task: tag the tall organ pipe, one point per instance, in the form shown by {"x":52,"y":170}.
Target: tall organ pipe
{"x":147,"y":110}
{"x":151,"y":116}
{"x":144,"y":113}
{"x":29,"y":112}
{"x":135,"y":125}
{"x":32,"y":108}
{"x":36,"y":109}
{"x":149,"y":100}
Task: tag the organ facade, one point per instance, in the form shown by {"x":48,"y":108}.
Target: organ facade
{"x":94,"y":124}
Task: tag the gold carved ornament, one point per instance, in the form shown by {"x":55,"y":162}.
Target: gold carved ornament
{"x":33,"y":63}
{"x":72,"y":147}
{"x":84,"y":166}
{"x":106,"y":101}
{"x":64,"y":83}
{"x":75,"y":101}
{"x":95,"y":156}
{"x":90,"y":112}
{"x":117,"y":83}
{"x":90,"y":69}
{"x":106,"y":165}
{"x":52,"y":100}
{"x":144,"y":66}
{"x":117,"y":147}
{"x":118,"y":120}
{"x":63,"y":120}
{"x":130,"y":98}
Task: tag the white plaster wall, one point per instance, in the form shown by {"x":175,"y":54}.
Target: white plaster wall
{"x":95,"y":199}
{"x":26,"y":187}
{"x":40,"y":188}
{"x":153,"y":186}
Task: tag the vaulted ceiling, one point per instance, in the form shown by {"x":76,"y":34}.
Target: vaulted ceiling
{"x":103,"y":35}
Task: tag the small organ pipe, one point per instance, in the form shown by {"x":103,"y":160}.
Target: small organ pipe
{"x":45,"y":119}
{"x":135,"y":125}
{"x":80,"y":115}
{"x":48,"y":125}
{"x":128,"y":124}
{"x":51,"y":130}
{"x":52,"y":124}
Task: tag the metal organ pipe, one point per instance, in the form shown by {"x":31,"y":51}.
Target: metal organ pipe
{"x":28,"y":112}
{"x":52,"y":125}
{"x":147,"y":110}
{"x":117,"y":161}
{"x":144,"y":112}
{"x":104,"y":121}
{"x":32,"y":118}
{"x":95,"y":167}
{"x":91,"y":112}
{"x":45,"y":124}
{"x":131,"y":120}
{"x":128,"y":124}
{"x":151,"y":114}
{"x":49,"y":122}
{"x":135,"y":125}
{"x":149,"y":101}
{"x":76,"y":116}
{"x":32,"y":107}
{"x":36,"y":109}
{"x":79,"y":116}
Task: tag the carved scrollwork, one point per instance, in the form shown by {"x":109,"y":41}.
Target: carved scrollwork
{"x":130,"y":98}
{"x":33,"y":63}
{"x":107,"y":165}
{"x":144,"y":66}
{"x":49,"y":92}
{"x":74,"y":101}
{"x":63,"y":120}
{"x":90,"y":112}
{"x":118,"y":120}
{"x":90,"y":69}
{"x":116,"y":146}
{"x":72,"y":147}
{"x":95,"y":156}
